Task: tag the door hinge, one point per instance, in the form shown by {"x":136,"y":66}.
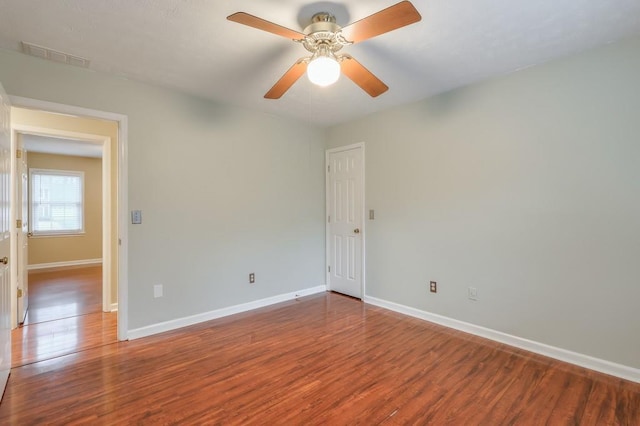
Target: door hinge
{"x":19,"y":292}
{"x":19,"y":223}
{"x":329,"y":168}
{"x":329,"y":219}
{"x":18,"y":153}
{"x":329,"y":268}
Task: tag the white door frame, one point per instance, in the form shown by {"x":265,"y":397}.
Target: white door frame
{"x":19,"y":188}
{"x":122,"y":216}
{"x":327,"y":186}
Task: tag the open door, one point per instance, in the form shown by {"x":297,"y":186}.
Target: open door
{"x":5,"y":239}
{"x":22,"y":193}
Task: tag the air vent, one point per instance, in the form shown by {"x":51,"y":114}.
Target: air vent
{"x":54,"y":55}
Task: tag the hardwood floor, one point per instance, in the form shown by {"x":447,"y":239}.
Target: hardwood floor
{"x":64,"y":293}
{"x":323,"y":359}
{"x":64,"y":316}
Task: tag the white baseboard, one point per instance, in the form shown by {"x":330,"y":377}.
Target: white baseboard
{"x":586,"y":361}
{"x":219,"y":313}
{"x":114,"y":307}
{"x":64,"y":265}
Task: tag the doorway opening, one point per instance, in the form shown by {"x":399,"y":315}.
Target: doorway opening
{"x":66,"y":271}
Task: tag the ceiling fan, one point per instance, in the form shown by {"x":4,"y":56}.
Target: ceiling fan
{"x":323,"y":38}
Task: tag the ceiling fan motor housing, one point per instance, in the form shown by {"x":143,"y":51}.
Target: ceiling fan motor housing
{"x":323,"y":34}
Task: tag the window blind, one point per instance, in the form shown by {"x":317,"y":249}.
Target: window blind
{"x":57,"y":204}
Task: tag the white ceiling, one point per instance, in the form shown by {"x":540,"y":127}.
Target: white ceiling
{"x":51,"y":145}
{"x":189,"y":45}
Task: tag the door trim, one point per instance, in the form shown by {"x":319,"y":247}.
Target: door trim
{"x":328,"y":152}
{"x":122,"y":215}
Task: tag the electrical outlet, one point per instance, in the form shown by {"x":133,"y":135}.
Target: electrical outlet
{"x":433,"y":287}
{"x":157,"y":290}
{"x":473,"y":293}
{"x":252,"y":278}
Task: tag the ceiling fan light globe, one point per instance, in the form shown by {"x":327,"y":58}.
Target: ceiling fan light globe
{"x":323,"y":71}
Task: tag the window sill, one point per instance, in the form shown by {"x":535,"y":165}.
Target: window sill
{"x":65,"y":235}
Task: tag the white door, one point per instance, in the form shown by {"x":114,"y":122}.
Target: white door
{"x":345,"y":194}
{"x":5,"y":242}
{"x":22,"y":192}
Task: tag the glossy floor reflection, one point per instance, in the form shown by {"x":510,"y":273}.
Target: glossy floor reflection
{"x":324,"y":359}
{"x":64,"y":293}
{"x":64,"y":316}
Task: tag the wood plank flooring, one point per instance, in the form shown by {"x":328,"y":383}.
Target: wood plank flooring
{"x":323,"y":359}
{"x":64,"y":293}
{"x":64,"y":316}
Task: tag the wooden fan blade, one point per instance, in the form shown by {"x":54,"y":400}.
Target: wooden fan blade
{"x":287,"y":80}
{"x":389,"y":19}
{"x":264,"y":25}
{"x":362,"y":77}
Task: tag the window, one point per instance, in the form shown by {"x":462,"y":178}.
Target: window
{"x":57,"y":202}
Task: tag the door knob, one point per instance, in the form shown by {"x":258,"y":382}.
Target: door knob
{"x":356,"y":231}
{"x":29,"y":234}
{"x":4,"y":260}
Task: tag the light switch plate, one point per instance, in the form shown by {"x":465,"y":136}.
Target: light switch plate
{"x":472,"y":293}
{"x":136,"y":217}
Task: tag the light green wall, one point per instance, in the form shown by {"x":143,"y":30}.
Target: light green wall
{"x":526,"y":187}
{"x":223,"y":191}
